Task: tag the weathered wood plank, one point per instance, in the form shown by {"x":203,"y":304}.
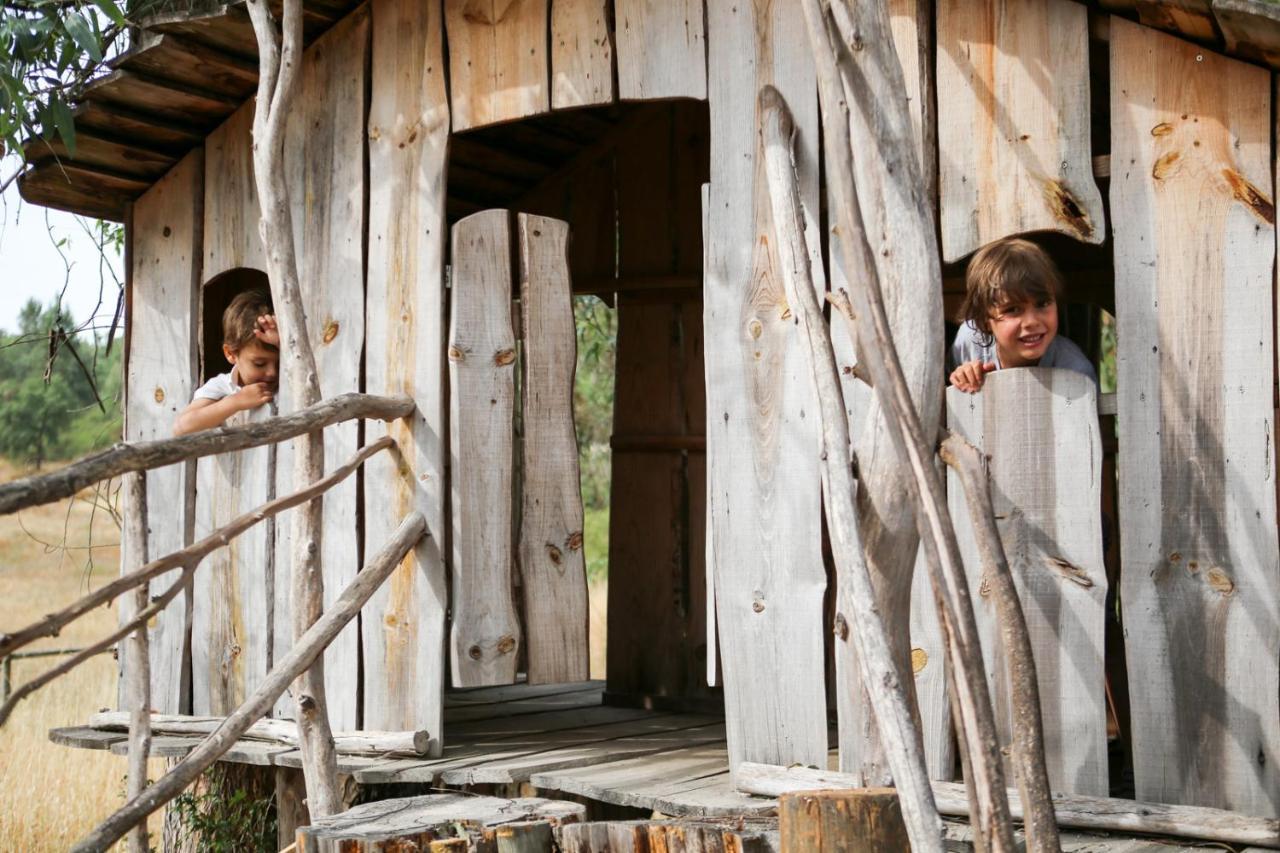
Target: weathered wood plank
{"x":88,"y":192}
{"x":231,"y":236}
{"x":324,"y":155}
{"x":552,"y":565}
{"x":161,"y":98}
{"x":1194,"y":248}
{"x":586,"y":698}
{"x":1190,"y":18}
{"x":471,"y":696}
{"x":485,"y":634}
{"x":404,"y":622}
{"x":173,"y":58}
{"x":497,"y":60}
{"x":1013,"y":121}
{"x":96,"y":152}
{"x":762,"y":434}
{"x":232,"y":590}
{"x":662,"y":49}
{"x":1250,"y":29}
{"x":1040,"y":430}
{"x":929,"y":668}
{"x":160,"y":379}
{"x":581,"y":54}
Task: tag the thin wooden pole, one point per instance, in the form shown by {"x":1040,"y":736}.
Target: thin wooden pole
{"x":1028,"y":730}
{"x":304,"y":652}
{"x":50,"y":625}
{"x":138,"y":658}
{"x":902,"y":743}
{"x":146,"y":455}
{"x":966,"y":676}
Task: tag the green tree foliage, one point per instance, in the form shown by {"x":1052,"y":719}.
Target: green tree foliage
{"x":597,"y":329}
{"x":59,"y":393}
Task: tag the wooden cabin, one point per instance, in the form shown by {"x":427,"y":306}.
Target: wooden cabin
{"x":429,"y":149}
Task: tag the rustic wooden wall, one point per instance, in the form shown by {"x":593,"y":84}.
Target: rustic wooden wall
{"x":662,"y":50}
{"x":497,"y":60}
{"x":324,"y":159}
{"x":762,"y":435}
{"x":1194,"y":251}
{"x":404,"y":622}
{"x":164,"y":284}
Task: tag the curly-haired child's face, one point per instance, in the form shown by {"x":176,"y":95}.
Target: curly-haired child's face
{"x":255,"y":363}
{"x":1023,"y":331}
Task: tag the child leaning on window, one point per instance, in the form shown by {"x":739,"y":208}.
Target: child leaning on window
{"x":251,"y":343}
{"x":1010,"y":316}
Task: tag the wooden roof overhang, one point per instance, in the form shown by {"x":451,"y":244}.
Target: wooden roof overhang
{"x":193,"y":69}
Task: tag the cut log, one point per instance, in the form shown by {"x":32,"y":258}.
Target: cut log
{"x":1194,"y":221}
{"x":485,"y":633}
{"x":862,"y":820}
{"x":421,"y":821}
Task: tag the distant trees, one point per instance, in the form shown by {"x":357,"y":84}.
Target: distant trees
{"x":59,"y":393}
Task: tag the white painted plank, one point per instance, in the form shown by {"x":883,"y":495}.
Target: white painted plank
{"x":762,"y":435}
{"x":485,"y":634}
{"x":166,"y":231}
{"x":229,"y":627}
{"x":581,"y":54}
{"x":662,"y":49}
{"x":1013,"y":122}
{"x":552,"y":566}
{"x":1039,"y":427}
{"x":404,"y":622}
{"x":1194,"y":249}
{"x":324,"y":152}
{"x":497,"y":60}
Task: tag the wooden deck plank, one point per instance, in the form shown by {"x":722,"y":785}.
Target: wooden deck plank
{"x":1013,"y":123}
{"x":88,"y":192}
{"x":662,"y":49}
{"x":1194,"y":248}
{"x":324,"y":163}
{"x":1039,"y":428}
{"x":497,"y":60}
{"x":552,"y":564}
{"x":162,"y":98}
{"x":581,"y":54}
{"x":485,"y":633}
{"x":577,"y":699}
{"x":189,"y":63}
{"x":161,"y":366}
{"x":136,"y":128}
{"x":762,"y":462}
{"x":403,"y":625}
{"x":467,"y":696}
{"x":96,"y":152}
{"x":83,"y":737}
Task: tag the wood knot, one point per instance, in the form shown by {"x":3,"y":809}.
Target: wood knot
{"x":1066,"y":208}
{"x":504,"y":357}
{"x":1162,"y":129}
{"x":757,"y":603}
{"x":506,"y":645}
{"x":159,"y":394}
{"x":1070,"y":571}
{"x":574,"y":542}
{"x":755,"y":328}
{"x":1250,"y":196}
{"x":330,"y":330}
{"x":475,"y":653}
{"x":554,"y":554}
{"x":168,"y":232}
{"x":307,"y":703}
{"x":1220,"y":581}
{"x":1165,"y":165}
{"x":457,"y":354}
{"x":919,"y":660}
{"x":841,"y":627}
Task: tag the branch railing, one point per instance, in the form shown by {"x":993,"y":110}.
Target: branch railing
{"x":135,"y":459}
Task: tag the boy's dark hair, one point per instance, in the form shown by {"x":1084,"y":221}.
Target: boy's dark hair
{"x":241,"y":318}
{"x":1011,"y":270}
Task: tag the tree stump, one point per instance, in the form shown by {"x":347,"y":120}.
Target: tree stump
{"x":863,"y":820}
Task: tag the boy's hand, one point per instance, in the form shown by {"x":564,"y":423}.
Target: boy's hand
{"x":969,"y":376}
{"x":266,"y":330}
{"x":253,"y":396}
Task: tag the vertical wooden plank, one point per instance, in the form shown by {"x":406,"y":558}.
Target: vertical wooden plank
{"x":709,"y":554}
{"x":662,"y":51}
{"x":762,"y":431}
{"x":1194,"y":249}
{"x":497,"y":60}
{"x":230,"y":628}
{"x":161,"y":370}
{"x":1013,"y":122}
{"x":231,"y":217}
{"x":581,"y":54}
{"x":1040,"y":430}
{"x":552,"y":569}
{"x":324,"y":150}
{"x":485,"y":634}
{"x":911,"y":23}
{"x":403,"y":623}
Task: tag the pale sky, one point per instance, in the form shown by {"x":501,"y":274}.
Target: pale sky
{"x":30,"y":265}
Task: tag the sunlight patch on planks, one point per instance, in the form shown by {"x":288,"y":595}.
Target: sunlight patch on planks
{"x":497,"y":60}
{"x":1194,"y":249}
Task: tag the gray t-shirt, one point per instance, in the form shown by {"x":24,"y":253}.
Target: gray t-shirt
{"x":1062,"y":353}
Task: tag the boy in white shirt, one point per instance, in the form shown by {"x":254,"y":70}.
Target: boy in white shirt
{"x":251,"y":343}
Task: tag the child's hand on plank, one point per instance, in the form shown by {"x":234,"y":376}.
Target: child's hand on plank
{"x":266,"y":330}
{"x":969,"y":376}
{"x":253,"y":396}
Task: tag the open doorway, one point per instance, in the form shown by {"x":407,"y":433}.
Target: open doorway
{"x":215,"y":296}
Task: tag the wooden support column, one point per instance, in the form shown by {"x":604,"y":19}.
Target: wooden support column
{"x":160,"y":362}
{"x":1194,"y":248}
